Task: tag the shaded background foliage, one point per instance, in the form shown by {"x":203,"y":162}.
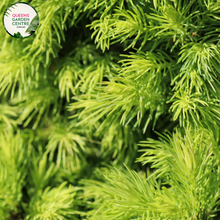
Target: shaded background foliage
{"x":80,"y":97}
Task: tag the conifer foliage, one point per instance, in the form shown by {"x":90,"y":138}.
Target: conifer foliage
{"x":111,"y":110}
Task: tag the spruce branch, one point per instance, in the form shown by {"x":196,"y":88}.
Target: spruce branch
{"x":128,"y":195}
{"x":189,"y":165}
{"x":14,"y":154}
{"x":149,"y":67}
{"x":8,"y":115}
{"x":128,"y":24}
{"x":45,"y":207}
{"x":192,"y":81}
{"x":70,"y":145}
{"x":185,"y":184}
{"x":41,"y":174}
{"x":123,"y":24}
{"x":101,"y":30}
{"x":68,"y":77}
{"x":119,"y":98}
{"x":118,"y":141}
{"x":94,"y":73}
{"x":16,"y":68}
{"x":35,"y":107}
{"x":205,"y":58}
{"x":52,"y":23}
{"x":102,"y":7}
{"x":194,"y":108}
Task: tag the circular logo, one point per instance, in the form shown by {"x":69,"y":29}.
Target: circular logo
{"x":20,"y":20}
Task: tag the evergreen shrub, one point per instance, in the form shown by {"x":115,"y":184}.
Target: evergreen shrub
{"x":111,"y":111}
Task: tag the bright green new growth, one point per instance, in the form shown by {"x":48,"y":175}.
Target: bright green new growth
{"x":184,"y":185}
{"x":83,"y":93}
{"x":45,"y":208}
{"x":13,"y":161}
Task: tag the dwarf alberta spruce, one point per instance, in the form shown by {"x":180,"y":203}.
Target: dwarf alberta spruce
{"x":111,"y":110}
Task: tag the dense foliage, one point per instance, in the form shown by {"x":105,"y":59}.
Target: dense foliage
{"x":111,"y":110}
